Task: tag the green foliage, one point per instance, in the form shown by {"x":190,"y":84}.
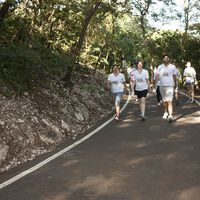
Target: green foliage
{"x":24,"y":69}
{"x":37,"y":38}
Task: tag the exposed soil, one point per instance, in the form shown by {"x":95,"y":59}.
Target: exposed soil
{"x":36,"y":123}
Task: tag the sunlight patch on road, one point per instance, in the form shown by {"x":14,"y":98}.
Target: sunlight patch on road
{"x":98,"y":185}
{"x":192,"y":193}
{"x":70,"y":162}
{"x":193,"y":118}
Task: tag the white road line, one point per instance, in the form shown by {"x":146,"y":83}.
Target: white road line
{"x":44,"y":162}
{"x":198,"y":103}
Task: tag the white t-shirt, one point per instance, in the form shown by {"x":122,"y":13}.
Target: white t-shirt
{"x":189,"y":73}
{"x":166,"y":74}
{"x":129,"y":71}
{"x":140,"y":79}
{"x":132,"y":72}
{"x":154,"y":77}
{"x":117,"y":82}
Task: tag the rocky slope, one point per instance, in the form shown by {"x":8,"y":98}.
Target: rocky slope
{"x":35,"y":123}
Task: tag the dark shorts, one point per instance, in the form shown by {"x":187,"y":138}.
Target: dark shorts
{"x":141,"y":94}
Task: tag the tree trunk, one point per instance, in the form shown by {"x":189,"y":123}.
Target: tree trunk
{"x":76,"y":47}
{"x":4,"y":10}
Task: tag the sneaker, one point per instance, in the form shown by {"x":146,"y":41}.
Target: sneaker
{"x":117,"y":118}
{"x":192,"y":101}
{"x":188,"y":101}
{"x":143,"y":118}
{"x":165,"y":116}
{"x":170,"y":118}
{"x":158,"y":104}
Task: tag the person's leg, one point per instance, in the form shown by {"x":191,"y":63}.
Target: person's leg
{"x":170,"y":107}
{"x":117,"y":107}
{"x":192,"y":93}
{"x":170,"y":110}
{"x":163,"y":92}
{"x":118,"y":97}
{"x":189,"y":92}
{"x":158,"y":94}
{"x":132,"y":88}
{"x":142,"y":106}
{"x":165,"y":106}
{"x":177,"y":96}
{"x":170,"y":93}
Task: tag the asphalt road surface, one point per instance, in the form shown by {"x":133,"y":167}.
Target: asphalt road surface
{"x":126,"y":160}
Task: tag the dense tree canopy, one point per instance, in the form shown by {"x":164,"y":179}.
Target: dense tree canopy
{"x":52,"y":38}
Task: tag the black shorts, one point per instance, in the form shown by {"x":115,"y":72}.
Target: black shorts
{"x":141,"y":94}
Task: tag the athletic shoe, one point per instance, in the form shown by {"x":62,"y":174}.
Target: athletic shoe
{"x":117,"y":118}
{"x":143,"y":118}
{"x":170,"y":118}
{"x":165,"y":116}
{"x":192,"y":101}
{"x":188,"y":101}
{"x":158,"y":104}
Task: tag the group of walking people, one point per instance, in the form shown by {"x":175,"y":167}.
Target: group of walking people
{"x":166,"y":81}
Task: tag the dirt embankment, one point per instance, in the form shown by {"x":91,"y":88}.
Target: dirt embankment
{"x":35,"y":123}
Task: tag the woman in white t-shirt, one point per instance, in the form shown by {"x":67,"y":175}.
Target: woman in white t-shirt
{"x":141,"y":82}
{"x":190,"y":80}
{"x":116,"y":82}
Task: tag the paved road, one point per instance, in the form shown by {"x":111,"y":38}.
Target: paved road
{"x":129,"y":160}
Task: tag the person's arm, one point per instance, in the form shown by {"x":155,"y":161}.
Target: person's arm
{"x":125,"y":88}
{"x":195,"y":78}
{"x":175,"y":82}
{"x":124,"y":82}
{"x":108,"y":84}
{"x":148,"y":82}
{"x":157,"y":78}
{"x":133,"y":85}
{"x":133,"y":82}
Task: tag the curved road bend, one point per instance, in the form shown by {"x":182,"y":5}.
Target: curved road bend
{"x":129,"y":160}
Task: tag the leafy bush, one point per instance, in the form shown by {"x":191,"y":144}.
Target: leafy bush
{"x":24,"y":68}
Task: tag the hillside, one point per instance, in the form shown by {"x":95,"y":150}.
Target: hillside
{"x":37,"y":122}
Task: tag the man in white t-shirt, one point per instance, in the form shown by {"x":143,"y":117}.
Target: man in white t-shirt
{"x":190,"y":80}
{"x":116,"y":82}
{"x":166,"y":74}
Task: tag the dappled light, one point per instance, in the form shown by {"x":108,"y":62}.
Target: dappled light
{"x":92,"y":187}
{"x":192,"y":193}
{"x":70,"y":162}
{"x":99,"y":185}
{"x":193,"y":118}
{"x":56,"y":96}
